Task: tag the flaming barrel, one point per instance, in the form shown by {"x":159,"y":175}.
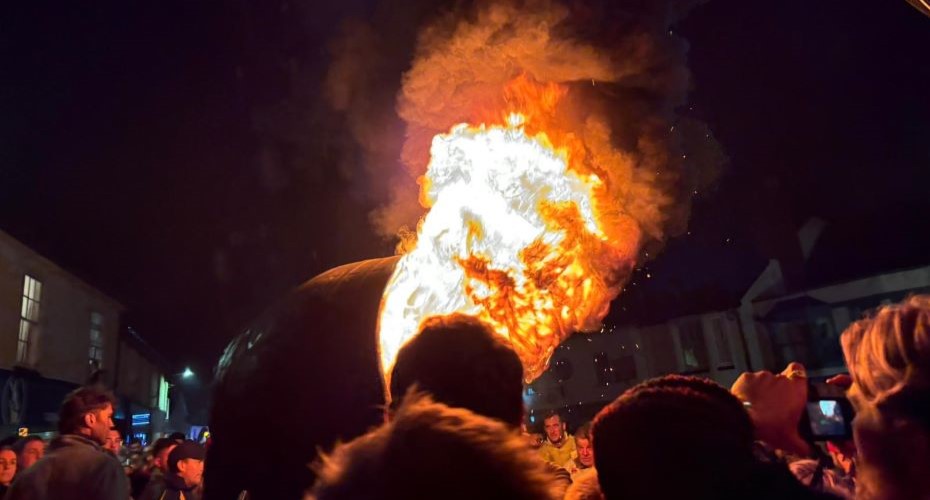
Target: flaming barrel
{"x":305,"y":375}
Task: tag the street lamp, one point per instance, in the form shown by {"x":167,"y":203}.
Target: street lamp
{"x":188,"y":373}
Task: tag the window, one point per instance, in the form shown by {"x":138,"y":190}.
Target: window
{"x":722,"y":345}
{"x":95,"y":355}
{"x":693,"y":347}
{"x":813,"y":343}
{"x":623,"y":369}
{"x":29,"y":320}
{"x":660,"y":350}
{"x":602,"y":368}
{"x":163,"y":395}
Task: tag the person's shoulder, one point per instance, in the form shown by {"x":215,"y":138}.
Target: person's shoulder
{"x":547,"y":448}
{"x":28,"y":481}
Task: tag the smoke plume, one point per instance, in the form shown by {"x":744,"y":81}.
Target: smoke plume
{"x":618,"y":69}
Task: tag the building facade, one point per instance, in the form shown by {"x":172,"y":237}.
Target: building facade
{"x":766,"y":329}
{"x":56,"y":333}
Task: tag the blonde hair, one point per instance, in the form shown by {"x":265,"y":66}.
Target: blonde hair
{"x":888,"y":353}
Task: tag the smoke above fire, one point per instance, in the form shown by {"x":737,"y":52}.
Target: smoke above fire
{"x":622,"y":68}
{"x":542,"y":140}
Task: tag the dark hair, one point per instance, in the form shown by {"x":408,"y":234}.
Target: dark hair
{"x":160,"y":444}
{"x":461,"y":362}
{"x":553,"y":413}
{"x":80,"y":402}
{"x":686,"y":427}
{"x":177,"y":437}
{"x":21,"y":443}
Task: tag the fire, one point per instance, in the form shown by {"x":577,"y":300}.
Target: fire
{"x":521,"y":232}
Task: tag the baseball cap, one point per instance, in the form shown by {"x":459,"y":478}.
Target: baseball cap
{"x":187,"y":449}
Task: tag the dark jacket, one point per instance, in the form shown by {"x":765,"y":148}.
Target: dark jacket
{"x":176,"y":489}
{"x":155,"y":487}
{"x":75,"y":468}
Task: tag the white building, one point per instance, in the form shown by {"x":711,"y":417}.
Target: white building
{"x":56,"y":331}
{"x":764,"y":329}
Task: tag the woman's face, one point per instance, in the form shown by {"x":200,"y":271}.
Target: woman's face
{"x":7,"y":466}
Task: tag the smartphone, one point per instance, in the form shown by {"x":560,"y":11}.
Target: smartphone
{"x":830,"y":419}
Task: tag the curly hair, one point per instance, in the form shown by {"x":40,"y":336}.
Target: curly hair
{"x":430,"y":450}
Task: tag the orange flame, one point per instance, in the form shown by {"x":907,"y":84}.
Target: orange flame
{"x":522,"y":231}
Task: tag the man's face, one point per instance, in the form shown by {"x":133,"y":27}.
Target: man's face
{"x":585,"y":451}
{"x":32,"y":453}
{"x":100,"y":422}
{"x":191,"y":471}
{"x":114,"y":442}
{"x":161,"y":460}
{"x":7,"y":466}
{"x":554,"y":428}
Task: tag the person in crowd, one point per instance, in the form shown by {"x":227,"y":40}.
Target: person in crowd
{"x":559,"y":447}
{"x":185,"y":472}
{"x":76,"y":467}
{"x":148,"y":485}
{"x":585,"y":458}
{"x":584,"y":487}
{"x":431,"y":450}
{"x":775,"y":404}
{"x":584,"y":476}
{"x":29,"y":450}
{"x":114,"y":442}
{"x":683,"y":437}
{"x":7,"y":468}
{"x":461,"y":362}
{"x":888,"y":356}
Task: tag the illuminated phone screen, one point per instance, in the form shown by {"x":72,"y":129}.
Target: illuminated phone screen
{"x":826,"y":418}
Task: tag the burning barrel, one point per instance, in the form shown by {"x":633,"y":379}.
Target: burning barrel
{"x":534,"y":222}
{"x":306,"y":374}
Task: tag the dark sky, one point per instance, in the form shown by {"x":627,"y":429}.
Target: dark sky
{"x":173,"y":154}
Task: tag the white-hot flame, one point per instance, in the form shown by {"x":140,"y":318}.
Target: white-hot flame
{"x":511,"y":237}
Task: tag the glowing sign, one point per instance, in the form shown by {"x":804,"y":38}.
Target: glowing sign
{"x":139,"y":419}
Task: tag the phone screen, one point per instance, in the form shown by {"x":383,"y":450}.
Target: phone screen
{"x":827,"y":418}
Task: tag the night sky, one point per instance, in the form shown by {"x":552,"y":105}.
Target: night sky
{"x":177,"y":155}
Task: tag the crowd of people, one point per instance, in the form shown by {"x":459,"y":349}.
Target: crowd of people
{"x":454,"y":428}
{"x":88,"y":459}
